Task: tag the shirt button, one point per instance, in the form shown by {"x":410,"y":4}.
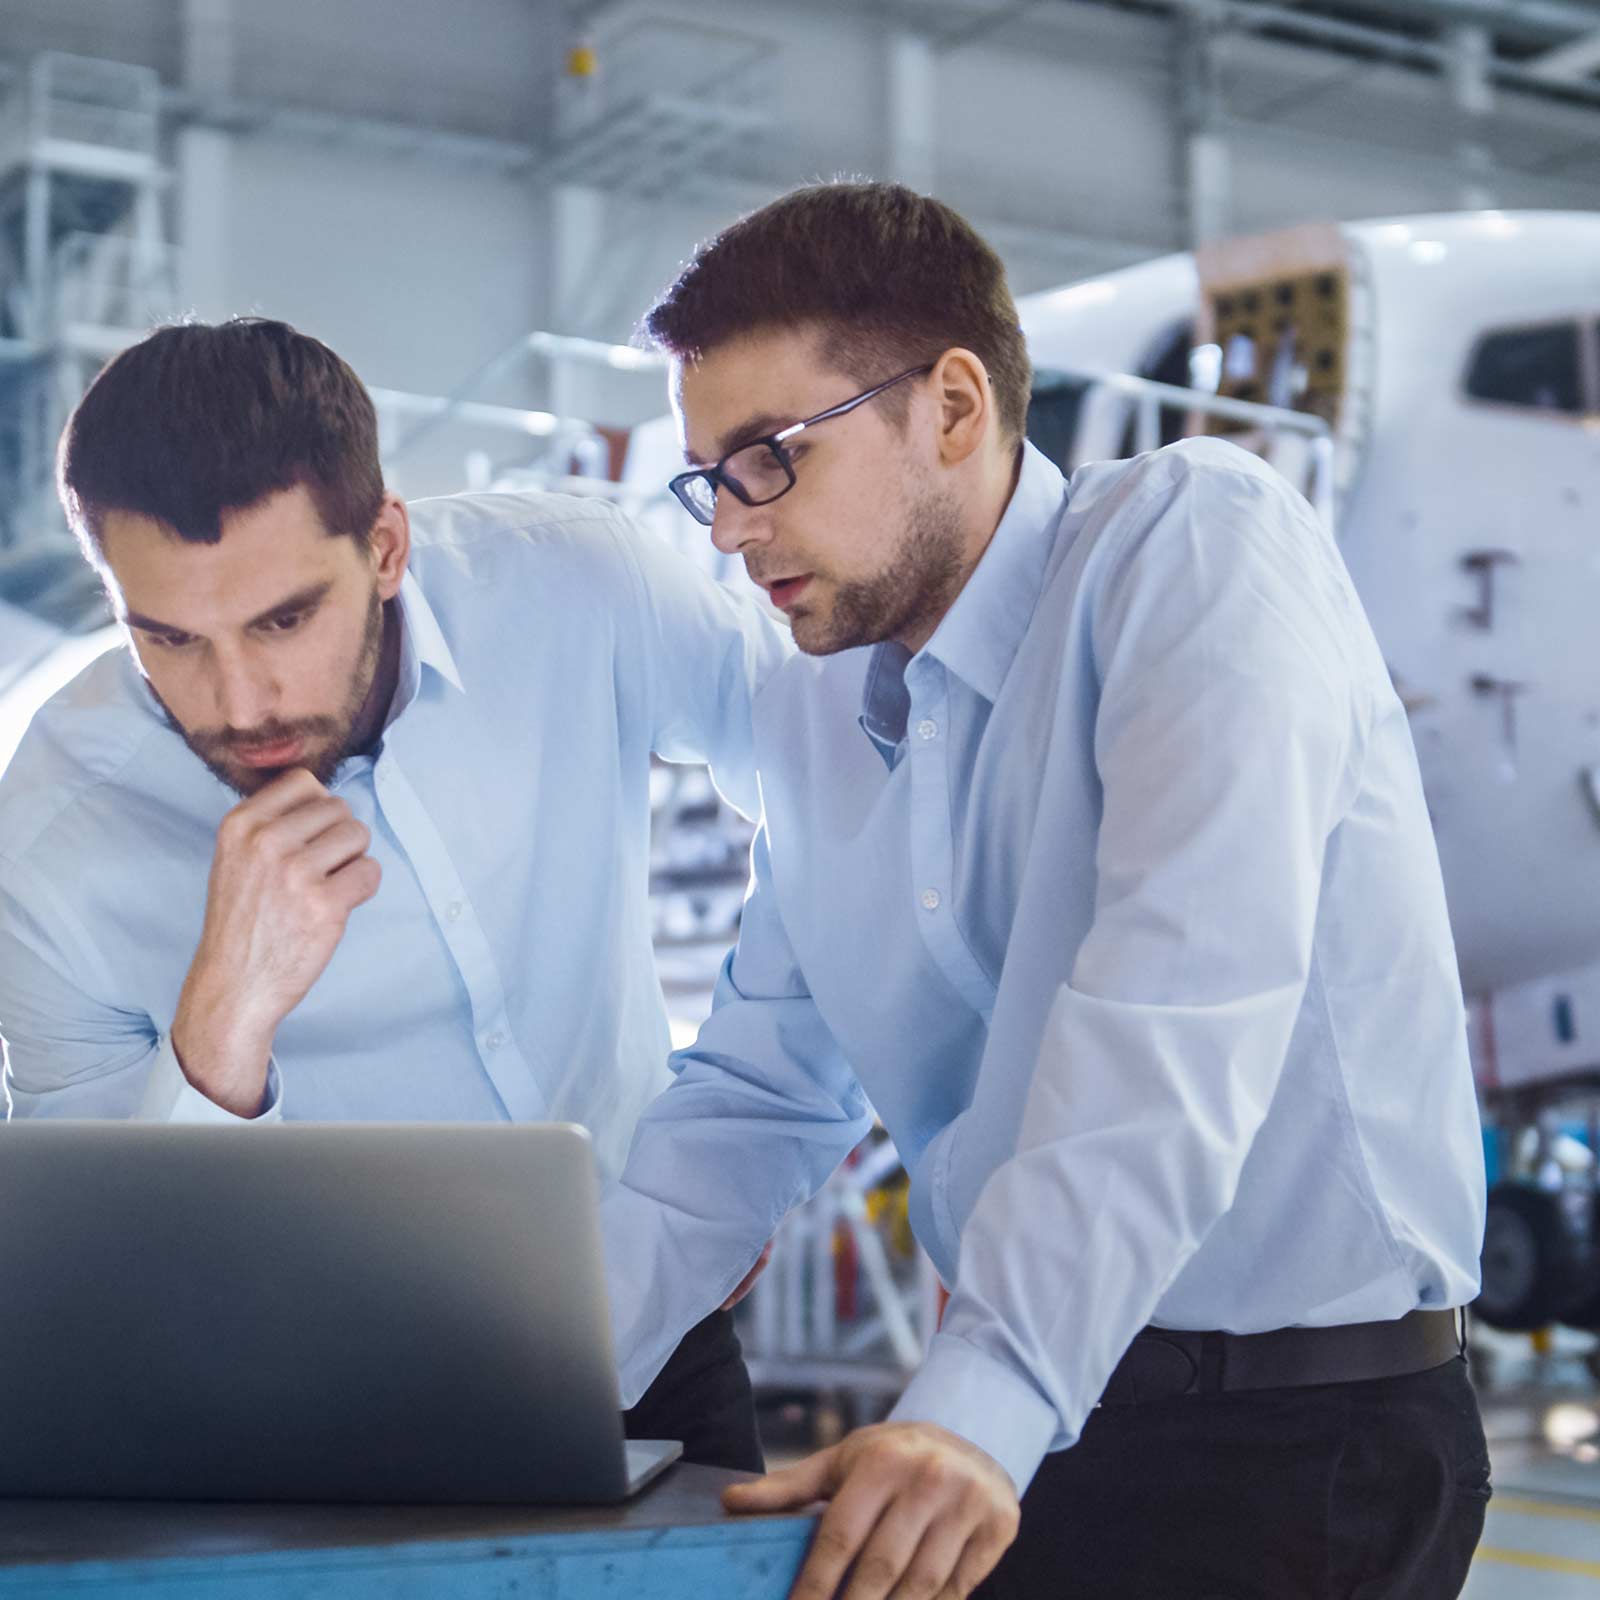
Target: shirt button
{"x":930,"y":899}
{"x":453,"y":910}
{"x":928,"y":728}
{"x":493,"y":1041}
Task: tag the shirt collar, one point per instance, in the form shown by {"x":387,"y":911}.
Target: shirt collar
{"x":422,"y":644}
{"x":885,"y":700}
{"x":979,"y":635}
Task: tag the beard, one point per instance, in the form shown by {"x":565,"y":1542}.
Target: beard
{"x":340,"y":734}
{"x":918,"y":584}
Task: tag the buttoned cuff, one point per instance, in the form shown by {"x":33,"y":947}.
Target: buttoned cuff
{"x":970,"y":1393}
{"x":170,"y":1097}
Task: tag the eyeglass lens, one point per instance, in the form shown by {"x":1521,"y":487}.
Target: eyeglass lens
{"x":699,"y":495}
{"x":756,"y":474}
{"x":759,"y":471}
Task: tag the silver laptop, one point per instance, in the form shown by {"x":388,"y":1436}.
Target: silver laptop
{"x":307,"y":1312}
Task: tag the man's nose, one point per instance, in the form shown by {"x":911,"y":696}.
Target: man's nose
{"x":736,"y":527}
{"x":244,"y":690}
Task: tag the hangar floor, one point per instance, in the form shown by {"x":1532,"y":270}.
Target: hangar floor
{"x":1542,"y":1414}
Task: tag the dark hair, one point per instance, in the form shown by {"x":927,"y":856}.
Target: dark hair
{"x":197,"y":420}
{"x":891,"y":278}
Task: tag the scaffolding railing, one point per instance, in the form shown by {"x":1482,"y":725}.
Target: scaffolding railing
{"x":113,"y":281}
{"x":664,"y":99}
{"x":1297,"y":444}
{"x":70,"y":108}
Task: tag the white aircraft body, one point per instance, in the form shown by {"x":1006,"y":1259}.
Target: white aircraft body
{"x":1456,"y":362}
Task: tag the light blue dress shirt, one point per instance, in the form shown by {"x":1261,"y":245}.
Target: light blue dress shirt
{"x":504,"y":970}
{"x":1119,"y":903}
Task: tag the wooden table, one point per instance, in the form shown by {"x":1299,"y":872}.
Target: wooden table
{"x":672,"y":1542}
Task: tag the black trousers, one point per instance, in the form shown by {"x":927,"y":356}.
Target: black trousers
{"x":702,"y":1396}
{"x":1348,"y":1491}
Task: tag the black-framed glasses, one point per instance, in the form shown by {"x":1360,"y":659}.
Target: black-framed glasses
{"x":762,"y":471}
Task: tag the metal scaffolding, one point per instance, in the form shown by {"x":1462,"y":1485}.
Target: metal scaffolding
{"x":84,"y":259}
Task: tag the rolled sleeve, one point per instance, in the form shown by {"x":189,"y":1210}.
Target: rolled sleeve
{"x":69,"y":1051}
{"x":170,"y":1097}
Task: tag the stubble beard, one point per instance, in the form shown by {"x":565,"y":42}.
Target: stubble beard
{"x":917,"y":585}
{"x":338,"y":733}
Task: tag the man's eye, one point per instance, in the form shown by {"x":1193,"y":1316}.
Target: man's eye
{"x":287,"y":623}
{"x":169,"y":641}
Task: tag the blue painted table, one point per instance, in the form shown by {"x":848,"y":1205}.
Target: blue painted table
{"x":672,"y":1542}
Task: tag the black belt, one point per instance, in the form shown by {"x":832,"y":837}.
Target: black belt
{"x":1166,"y":1363}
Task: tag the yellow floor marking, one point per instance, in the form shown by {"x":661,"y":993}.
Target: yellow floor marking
{"x":1527,"y":1558}
{"x":1542,"y":1508}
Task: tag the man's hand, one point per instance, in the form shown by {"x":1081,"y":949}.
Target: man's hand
{"x":748,"y":1281}
{"x":290,"y":866}
{"x":917,"y":1513}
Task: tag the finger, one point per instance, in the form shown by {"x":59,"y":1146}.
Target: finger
{"x":299,"y":825}
{"x":267,"y":809}
{"x":355,"y":883}
{"x":336,"y":846}
{"x":934,"y":1563}
{"x":288,"y":790}
{"x":845,"y":1528}
{"x":282,"y":831}
{"x":808,"y":1480}
{"x":980,"y":1557}
{"x":891,"y":1547}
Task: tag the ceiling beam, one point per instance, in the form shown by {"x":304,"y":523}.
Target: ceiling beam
{"x":1552,"y":20}
{"x":1567,"y":63}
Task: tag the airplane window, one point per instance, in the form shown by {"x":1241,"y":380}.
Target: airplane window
{"x":1534,"y":367}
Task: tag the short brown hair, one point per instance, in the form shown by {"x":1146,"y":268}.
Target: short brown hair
{"x":890,"y":277}
{"x":199,"y":419}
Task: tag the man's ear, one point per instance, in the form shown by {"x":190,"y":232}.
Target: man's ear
{"x":966,"y":404}
{"x":390,"y":545}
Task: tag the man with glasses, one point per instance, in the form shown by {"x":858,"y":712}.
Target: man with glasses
{"x":357,"y":828}
{"x":1095,"y":861}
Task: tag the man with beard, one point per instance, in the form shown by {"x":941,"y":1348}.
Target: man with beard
{"x":406,"y":879}
{"x":1095,"y":859}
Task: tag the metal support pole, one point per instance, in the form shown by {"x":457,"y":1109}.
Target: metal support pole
{"x":823,"y":1317}
{"x":912,"y":71}
{"x":578,"y":218}
{"x":1468,"y":64}
{"x":1149,"y":429}
{"x":39,"y":324}
{"x":1204,"y":161}
{"x":907,"y":1347}
{"x":204,"y":160}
